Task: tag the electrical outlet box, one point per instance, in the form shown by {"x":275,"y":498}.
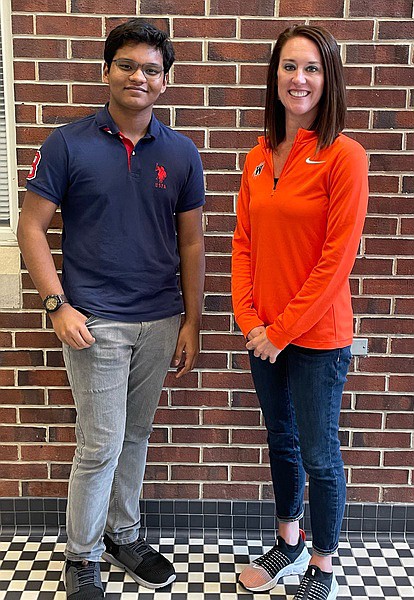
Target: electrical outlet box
{"x":359,"y":347}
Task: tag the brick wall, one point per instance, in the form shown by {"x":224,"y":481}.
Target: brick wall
{"x":208,"y":439}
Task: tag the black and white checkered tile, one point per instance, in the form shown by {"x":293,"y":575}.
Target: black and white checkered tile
{"x":207,"y":569}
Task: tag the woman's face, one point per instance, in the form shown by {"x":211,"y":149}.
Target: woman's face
{"x":300,"y":81}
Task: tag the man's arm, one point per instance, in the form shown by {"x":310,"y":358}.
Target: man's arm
{"x":35,"y":218}
{"x":192,"y":270}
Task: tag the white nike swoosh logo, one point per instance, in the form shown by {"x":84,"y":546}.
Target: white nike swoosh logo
{"x":314,"y":162}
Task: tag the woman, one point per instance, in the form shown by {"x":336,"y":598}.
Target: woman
{"x":300,"y":215}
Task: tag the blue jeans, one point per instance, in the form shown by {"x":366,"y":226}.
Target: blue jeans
{"x":300,"y":396}
{"x":116,"y":385}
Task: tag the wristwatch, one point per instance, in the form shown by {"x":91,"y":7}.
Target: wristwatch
{"x":53,"y":302}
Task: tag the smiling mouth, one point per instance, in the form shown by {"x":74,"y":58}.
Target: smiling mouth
{"x":136,"y":89}
{"x":299,"y":93}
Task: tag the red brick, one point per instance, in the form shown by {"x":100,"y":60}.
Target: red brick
{"x":237,"y":97}
{"x":250,"y":474}
{"x":54,"y":359}
{"x":32,"y":135}
{"x":383,"y":184}
{"x":249,"y":436}
{"x":208,"y":28}
{"x":177,"y":416}
{"x":43,"y":378}
{"x":392,"y":162}
{"x":5,"y":339}
{"x":399,"y":494}
{"x":401,"y":383}
{"x":397,"y":287}
{"x":383,"y":246}
{"x":215,"y":323}
{"x":70,"y":71}
{"x":380,"y":226}
{"x":351,"y":29}
{"x":24,"y":70}
{"x":404,"y":306}
{"x":396,"y":30}
{"x":377,"y":53}
{"x":22,"y":434}
{"x":377,"y":98}
{"x":306,"y":8}
{"x":231,"y":455}
{"x":176,"y":95}
{"x":64,"y":114}
{"x":233,"y":139}
{"x":60,"y":471}
{"x":265,"y":29}
{"x":402,"y":458}
{"x":400,"y":421}
{"x":212,"y":360}
{"x":384,"y":402}
{"x":360,"y":420}
{"x":187,"y":7}
{"x":171,"y":453}
{"x":245,"y":399}
{"x":53,"y":489}
{"x":6,"y":377}
{"x":218,"y":161}
{"x":231,"y":491}
{"x":381,"y":440}
{"x":253,"y":75}
{"x":227,"y":380}
{"x":47,"y":415}
{"x":38,"y":339}
{"x":402,"y":346}
{"x":218,"y":182}
{"x":223,"y":342}
{"x":390,"y":205}
{"x":40,"y":48}
{"x":357,"y":75}
{"x":188,"y":381}
{"x":251,"y":118}
{"x":198,"y":137}
{"x":36,"y":92}
{"x":398,"y":76}
{"x":170,"y":490}
{"x":205,"y":74}
{"x":156,"y":473}
{"x":199,"y":398}
{"x":239,"y":7}
{"x":398,"y":8}
{"x":373,"y":266}
{"x":218,"y":243}
{"x":7,"y":415}
{"x":188,"y":51}
{"x":70,"y":26}
{"x":223,"y":223}
{"x":231,"y":417}
{"x":25,"y":114}
{"x":393,"y":119}
{"x":112,"y":22}
{"x":20,"y":471}
{"x":22,"y":24}
{"x":218,"y":283}
{"x":205,"y":117}
{"x":239,"y":51}
{"x":217,"y":303}
{"x":47,"y":453}
{"x":62,"y":434}
{"x":384,"y":325}
{"x":393,"y":476}
{"x":199,"y":473}
{"x":377,"y":141}
{"x":361,"y":457}
{"x":21,"y":358}
{"x":359,"y":382}
{"x":104,"y":7}
{"x":9,"y":488}
{"x":408,"y":185}
{"x":8,"y":452}
{"x":88,"y":49}
{"x":90,"y":94}
{"x":39,"y":5}
{"x":407,"y":226}
{"x":205,"y":435}
{"x":362,"y":494}
{"x":240,"y":361}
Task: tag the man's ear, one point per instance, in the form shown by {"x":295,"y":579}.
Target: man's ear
{"x":164,"y":84}
{"x":105,"y":73}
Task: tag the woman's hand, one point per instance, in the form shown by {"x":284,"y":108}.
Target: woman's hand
{"x":261,"y":346}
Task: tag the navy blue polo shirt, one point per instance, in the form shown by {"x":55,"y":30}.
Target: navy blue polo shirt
{"x":119,"y":206}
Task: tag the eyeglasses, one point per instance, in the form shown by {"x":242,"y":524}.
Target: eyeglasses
{"x":130,"y":67}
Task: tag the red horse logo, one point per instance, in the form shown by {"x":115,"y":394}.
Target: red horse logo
{"x":161,"y":176}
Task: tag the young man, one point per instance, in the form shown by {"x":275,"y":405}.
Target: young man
{"x":131,"y":194}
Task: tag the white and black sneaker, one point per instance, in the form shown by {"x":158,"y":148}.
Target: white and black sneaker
{"x":83,"y":580}
{"x":282,"y":560}
{"x":145,"y":565}
{"x":317,"y":585}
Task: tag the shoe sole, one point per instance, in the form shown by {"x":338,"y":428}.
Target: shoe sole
{"x":297,"y":568}
{"x":153,"y":586}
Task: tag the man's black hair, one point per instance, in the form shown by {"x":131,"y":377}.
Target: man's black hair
{"x":138,"y":31}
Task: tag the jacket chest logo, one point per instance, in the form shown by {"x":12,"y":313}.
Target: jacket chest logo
{"x":258,"y":169}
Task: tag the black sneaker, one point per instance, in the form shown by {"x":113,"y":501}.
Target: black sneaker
{"x":145,"y":565}
{"x":83,"y":580}
{"x":282,"y":560}
{"x":317,"y":585}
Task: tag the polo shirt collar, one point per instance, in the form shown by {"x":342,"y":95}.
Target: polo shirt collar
{"x":106,"y":122}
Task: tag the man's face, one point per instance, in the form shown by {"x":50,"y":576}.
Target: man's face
{"x":133,"y":91}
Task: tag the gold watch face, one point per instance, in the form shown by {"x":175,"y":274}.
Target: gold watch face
{"x":51,"y":304}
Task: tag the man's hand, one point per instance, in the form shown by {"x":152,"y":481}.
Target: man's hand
{"x":255,"y":332}
{"x":69,"y":326}
{"x":261,"y":346}
{"x":187,"y":349}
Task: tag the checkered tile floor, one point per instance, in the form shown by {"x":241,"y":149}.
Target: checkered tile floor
{"x":207,"y":568}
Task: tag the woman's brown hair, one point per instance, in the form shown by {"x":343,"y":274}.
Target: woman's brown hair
{"x":330,"y":119}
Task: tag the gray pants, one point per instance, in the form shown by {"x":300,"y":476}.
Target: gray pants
{"x":116,"y":385}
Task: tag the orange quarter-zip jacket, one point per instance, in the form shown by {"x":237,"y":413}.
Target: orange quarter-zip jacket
{"x":295,"y":243}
